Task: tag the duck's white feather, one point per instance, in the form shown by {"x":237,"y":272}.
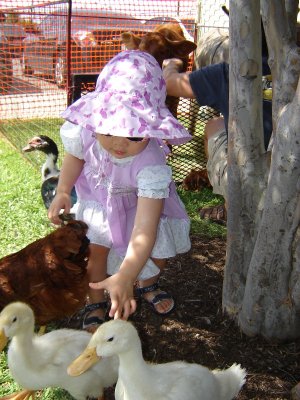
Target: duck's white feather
{"x":37,"y":362}
{"x":178,"y":380}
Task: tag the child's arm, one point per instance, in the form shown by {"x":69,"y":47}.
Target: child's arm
{"x":120,"y":285}
{"x":69,"y":173}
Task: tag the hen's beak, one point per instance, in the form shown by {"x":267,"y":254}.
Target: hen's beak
{"x":3,"y":340}
{"x":83,"y":362}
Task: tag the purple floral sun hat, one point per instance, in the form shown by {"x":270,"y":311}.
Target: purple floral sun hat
{"x":129,"y":100}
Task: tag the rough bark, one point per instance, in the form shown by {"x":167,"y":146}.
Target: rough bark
{"x":262,"y":281}
{"x":246,"y":160}
{"x":292,"y":7}
{"x":271,"y":301}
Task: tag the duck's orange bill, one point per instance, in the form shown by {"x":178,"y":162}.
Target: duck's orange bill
{"x":83,"y":362}
{"x":3,"y":340}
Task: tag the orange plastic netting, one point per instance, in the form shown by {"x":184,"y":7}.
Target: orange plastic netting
{"x":52,"y":52}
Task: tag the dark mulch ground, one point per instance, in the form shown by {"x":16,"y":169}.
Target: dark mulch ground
{"x":199,"y":332}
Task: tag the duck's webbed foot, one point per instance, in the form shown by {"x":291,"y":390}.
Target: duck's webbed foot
{"x":23,"y":395}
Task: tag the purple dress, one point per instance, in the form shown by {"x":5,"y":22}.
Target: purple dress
{"x":108,"y":190}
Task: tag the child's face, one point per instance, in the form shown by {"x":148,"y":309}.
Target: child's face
{"x":121,"y":147}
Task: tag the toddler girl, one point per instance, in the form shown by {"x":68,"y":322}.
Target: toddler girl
{"x":116,"y":157}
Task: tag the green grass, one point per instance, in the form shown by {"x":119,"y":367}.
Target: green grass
{"x":19,"y":131}
{"x":23,"y":219}
{"x":193,"y":202}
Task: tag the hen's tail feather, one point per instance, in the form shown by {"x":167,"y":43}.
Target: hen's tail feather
{"x":231,"y":381}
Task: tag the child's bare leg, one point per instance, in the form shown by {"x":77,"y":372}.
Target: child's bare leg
{"x":97,"y":267}
{"x":165,"y":304}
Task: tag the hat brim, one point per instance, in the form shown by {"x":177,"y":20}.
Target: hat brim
{"x":114,"y":117}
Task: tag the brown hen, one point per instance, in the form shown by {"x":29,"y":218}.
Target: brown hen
{"x":196,"y":180}
{"x":49,"y":274}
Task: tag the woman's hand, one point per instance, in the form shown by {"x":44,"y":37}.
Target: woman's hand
{"x":120,"y":289}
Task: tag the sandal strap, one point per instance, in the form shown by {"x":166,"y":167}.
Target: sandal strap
{"x":158,"y":298}
{"x":147,"y":289}
{"x":88,"y":321}
{"x":93,"y":320}
{"x":161,"y":296}
{"x":95,"y":306}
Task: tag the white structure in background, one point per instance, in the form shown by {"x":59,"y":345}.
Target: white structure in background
{"x":137,"y":8}
{"x":146,"y":8}
{"x":211,"y":15}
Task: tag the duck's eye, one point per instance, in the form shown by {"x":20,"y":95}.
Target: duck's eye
{"x":14,"y":319}
{"x":110,"y":339}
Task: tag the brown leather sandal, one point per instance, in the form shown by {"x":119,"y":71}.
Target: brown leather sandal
{"x":217,"y":214}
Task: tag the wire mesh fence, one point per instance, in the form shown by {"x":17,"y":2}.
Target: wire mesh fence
{"x":52,"y":52}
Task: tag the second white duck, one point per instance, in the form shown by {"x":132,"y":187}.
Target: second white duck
{"x":139,"y":380}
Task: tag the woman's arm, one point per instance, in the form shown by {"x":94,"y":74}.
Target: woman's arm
{"x":177,"y":83}
{"x":120,"y":285}
{"x":69,"y":173}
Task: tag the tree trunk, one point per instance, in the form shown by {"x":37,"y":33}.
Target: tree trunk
{"x":262,"y":281}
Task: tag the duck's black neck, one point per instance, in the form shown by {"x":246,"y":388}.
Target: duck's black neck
{"x":50,"y":149}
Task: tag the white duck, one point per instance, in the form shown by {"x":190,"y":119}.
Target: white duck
{"x":139,"y":380}
{"x":37,"y":362}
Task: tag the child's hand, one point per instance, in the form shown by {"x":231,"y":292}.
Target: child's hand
{"x":120,"y":289}
{"x":61,"y":201}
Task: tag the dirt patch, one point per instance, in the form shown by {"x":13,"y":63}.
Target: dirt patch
{"x":198,"y":331}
